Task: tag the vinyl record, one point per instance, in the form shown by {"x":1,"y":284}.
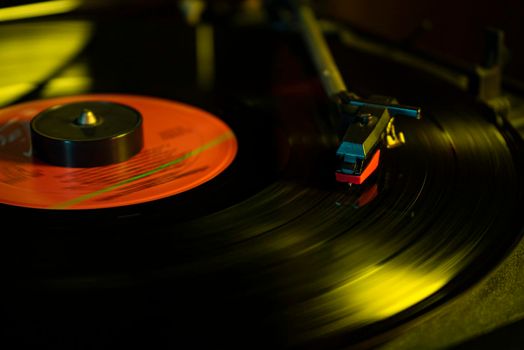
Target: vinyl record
{"x":184,"y":147}
{"x":272,"y":251}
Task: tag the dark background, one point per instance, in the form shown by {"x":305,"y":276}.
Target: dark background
{"x":445,"y":29}
{"x":449,"y":30}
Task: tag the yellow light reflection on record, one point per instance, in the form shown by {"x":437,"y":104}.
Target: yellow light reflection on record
{"x":33,"y":52}
{"x":11,"y":92}
{"x":73,"y":80}
{"x":376,"y":294}
{"x":40,"y":9}
{"x":391,"y":289}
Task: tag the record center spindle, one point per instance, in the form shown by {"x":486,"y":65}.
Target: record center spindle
{"x":86,"y":134}
{"x":87,"y":118}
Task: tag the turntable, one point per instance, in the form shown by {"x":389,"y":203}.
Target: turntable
{"x":244,"y":175}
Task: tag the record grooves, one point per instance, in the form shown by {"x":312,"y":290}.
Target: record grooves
{"x":270,"y":251}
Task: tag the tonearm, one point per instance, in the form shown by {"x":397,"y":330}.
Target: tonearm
{"x":370,"y":122}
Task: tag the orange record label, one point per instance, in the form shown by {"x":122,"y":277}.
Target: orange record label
{"x":183,"y":148}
